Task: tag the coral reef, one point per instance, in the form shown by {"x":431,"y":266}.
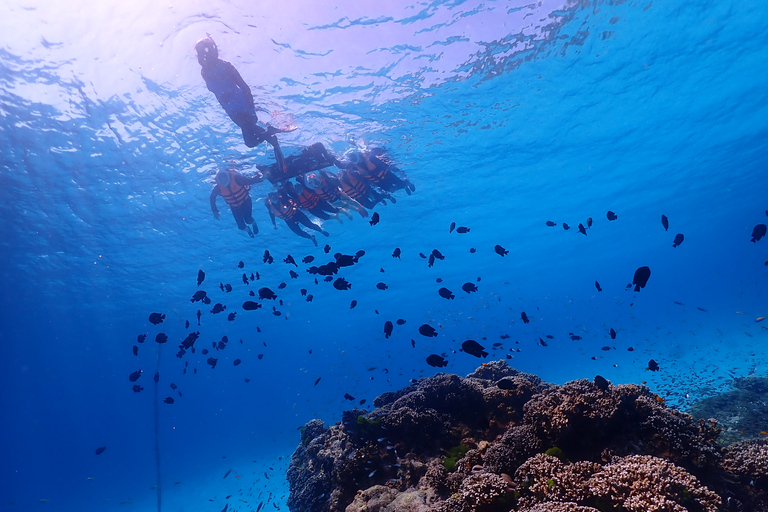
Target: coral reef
{"x":500,"y":440}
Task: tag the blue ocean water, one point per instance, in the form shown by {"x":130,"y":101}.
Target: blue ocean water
{"x":503,"y":114}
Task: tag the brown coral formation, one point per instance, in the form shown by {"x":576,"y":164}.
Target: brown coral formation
{"x":501,"y":440}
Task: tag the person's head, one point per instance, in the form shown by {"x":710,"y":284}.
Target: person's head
{"x":355,"y":157}
{"x":207,"y":53}
{"x":223,"y":178}
{"x":312,"y":180}
{"x":298,"y":188}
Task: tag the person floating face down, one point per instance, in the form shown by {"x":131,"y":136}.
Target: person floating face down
{"x":223,"y":80}
{"x":310,"y":201}
{"x":279,"y":204}
{"x":328,"y":187}
{"x":233,"y":187}
{"x":377,"y":171}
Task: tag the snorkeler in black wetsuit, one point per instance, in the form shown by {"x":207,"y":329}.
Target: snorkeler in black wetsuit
{"x":235,"y":96}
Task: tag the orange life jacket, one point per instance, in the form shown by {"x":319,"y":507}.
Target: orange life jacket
{"x":284,"y":209}
{"x":308,"y":199}
{"x":234,"y":194}
{"x":376,"y":175}
{"x":352,"y":186}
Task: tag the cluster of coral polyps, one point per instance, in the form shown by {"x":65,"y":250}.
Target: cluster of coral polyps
{"x":502,"y":440}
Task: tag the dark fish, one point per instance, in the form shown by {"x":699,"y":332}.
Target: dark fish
{"x":462,"y":229}
{"x":400,"y":321}
{"x":303,"y":292}
{"x":589,"y":222}
{"x":678,"y":240}
{"x":174,"y":386}
{"x":260,"y":356}
{"x":199,"y":314}
{"x":240,"y":264}
{"x":446,"y":293}
{"x":500,"y":250}
{"x":310,"y":297}
{"x":427,"y":330}
{"x":641,"y":278}
{"x":702,"y":309}
{"x":156,"y":318}
{"x":289,"y":260}
{"x":249,"y":305}
{"x":469,"y":287}
{"x":359,"y":254}
{"x":473,"y":348}
{"x":566,"y":226}
{"x":245,"y":279}
{"x":422,"y":255}
{"x":374,"y":219}
{"x":524,"y":317}
{"x":653,"y":366}
{"x":161,"y":338}
{"x":413,"y":343}
{"x":141,"y":338}
{"x":200,"y":277}
{"x":453,"y":226}
{"x":168,"y":400}
{"x":268,"y":257}
{"x":396,"y":253}
{"x":212,"y":361}
{"x":582,"y":230}
{"x":542,"y":342}
{"x":266,"y":293}
{"x":231,"y":316}
{"x":437,"y":254}
{"x":601,"y":383}
{"x":237,"y":362}
{"x":431,"y":260}
{"x":665,"y":222}
{"x":293,"y":274}
{"x":575,"y":337}
{"x":100,"y":450}
{"x":551,"y":224}
{"x":388,"y":329}
{"x":308,"y":259}
{"x":341,"y":284}
{"x":156,"y":377}
{"x":597,"y":285}
{"x":317,"y":381}
{"x":227,"y":287}
{"x":613,"y":334}
{"x":327,"y":248}
{"x":135,"y":350}
{"x":190,"y":340}
{"x":221,"y":285}
{"x":135,"y":375}
{"x":218,"y":308}
{"x":352,"y":304}
{"x":186,"y":324}
{"x":758,"y":232}
{"x":139,"y":389}
{"x":344,"y":260}
{"x":281,"y":286}
{"x":257,"y":276}
{"x":381,"y":286}
{"x":611,"y":216}
{"x":349,"y":397}
{"x":436,"y":361}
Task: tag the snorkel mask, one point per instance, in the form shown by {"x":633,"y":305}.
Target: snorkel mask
{"x":207,"y":52}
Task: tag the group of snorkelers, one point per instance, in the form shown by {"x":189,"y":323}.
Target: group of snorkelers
{"x":364,"y":179}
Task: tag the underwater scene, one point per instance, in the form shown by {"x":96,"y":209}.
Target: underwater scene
{"x":450,"y":255}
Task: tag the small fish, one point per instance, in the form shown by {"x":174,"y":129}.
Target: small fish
{"x":524,"y":317}
{"x":542,"y":342}
{"x":388,"y":326}
{"x":327,"y":248}
{"x":141,"y":338}
{"x":611,"y":216}
{"x":469,"y":287}
{"x":352,"y":304}
{"x":431,"y":260}
{"x":161,"y":338}
{"x":396,"y":253}
{"x":589,"y":222}
{"x":601,"y":383}
{"x":665,"y":222}
{"x":341,"y":284}
{"x":597,"y":285}
{"x":240,"y":264}
{"x":156,"y":318}
{"x":473,"y":348}
{"x":566,"y":226}
{"x":200,"y":277}
{"x":310,"y":297}
{"x":653,"y":366}
{"x":613,"y":334}
{"x":308,"y":259}
{"x":437,"y":254}
{"x":462,"y":229}
{"x":236,"y":362}
{"x":245,"y":279}
{"x":759,"y":319}
{"x":212,"y":361}
{"x":446,"y":293}
{"x":100,"y":450}
{"x":702,"y":309}
{"x":226,"y":474}
{"x":413,"y":343}
{"x":135,"y":350}
{"x":642,"y":275}
{"x":266,"y":293}
{"x":575,"y":337}
{"x":231,"y":316}
{"x":218,"y":308}
{"x":582,"y":230}
{"x":551,"y":224}
{"x":436,"y":361}
{"x":290,"y":261}
{"x":500,"y":250}
{"x":427,"y":330}
{"x":678,"y":240}
{"x":349,"y":397}
{"x":400,"y":321}
{"x":317,"y":381}
{"x":374,"y":219}
{"x":250,"y":305}
{"x":199,"y":314}
{"x":453,"y":226}
{"x":758,"y":232}
{"x":303,"y":292}
{"x":228,"y":288}
{"x":169,"y":400}
{"x":472,"y":250}
{"x":267,"y":258}
{"x":281,"y":286}
{"x":381,"y":286}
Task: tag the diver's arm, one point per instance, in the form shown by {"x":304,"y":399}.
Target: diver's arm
{"x":249,"y":180}
{"x":268,"y":204}
{"x":214,"y":209}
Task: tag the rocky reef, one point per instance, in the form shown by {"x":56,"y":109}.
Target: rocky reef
{"x":502,"y":440}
